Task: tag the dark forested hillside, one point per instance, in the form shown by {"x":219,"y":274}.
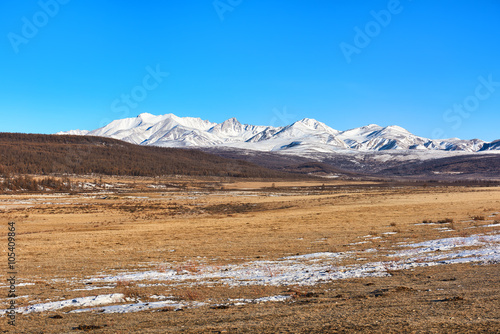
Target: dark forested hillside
{"x":394,"y":166}
{"x":49,"y":154}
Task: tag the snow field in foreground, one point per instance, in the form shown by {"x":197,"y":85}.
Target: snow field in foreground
{"x":305,"y":270}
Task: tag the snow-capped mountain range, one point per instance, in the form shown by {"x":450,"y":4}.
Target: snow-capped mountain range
{"x":304,"y":136}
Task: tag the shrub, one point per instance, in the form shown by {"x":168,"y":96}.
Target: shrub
{"x":128,"y":289}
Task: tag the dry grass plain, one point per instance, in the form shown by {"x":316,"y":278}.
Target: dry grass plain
{"x":202,"y":256}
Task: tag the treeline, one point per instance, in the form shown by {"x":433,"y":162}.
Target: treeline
{"x":28,"y":183}
{"x":83,"y":155}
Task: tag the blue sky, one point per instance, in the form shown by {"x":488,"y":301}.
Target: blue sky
{"x":432,"y":67}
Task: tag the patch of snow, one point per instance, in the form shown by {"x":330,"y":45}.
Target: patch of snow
{"x":76,"y":302}
{"x":138,"y":307}
{"x":278,"y":298}
{"x":449,"y":244}
{"x":314,"y":256}
{"x":358,"y":243}
{"x":90,"y":288}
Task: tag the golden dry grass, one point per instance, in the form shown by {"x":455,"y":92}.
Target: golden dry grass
{"x":61,"y":238}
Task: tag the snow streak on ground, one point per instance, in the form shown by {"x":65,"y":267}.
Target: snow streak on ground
{"x":311,"y":269}
{"x":140,"y":306}
{"x":306,"y":270}
{"x":77,"y":302}
{"x":95,"y":301}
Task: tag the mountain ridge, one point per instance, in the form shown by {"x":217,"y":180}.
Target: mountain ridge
{"x":301,"y":137}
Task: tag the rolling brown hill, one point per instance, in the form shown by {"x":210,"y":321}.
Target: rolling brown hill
{"x":54,"y":154}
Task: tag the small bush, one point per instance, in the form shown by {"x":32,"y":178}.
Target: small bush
{"x":191,"y":294}
{"x":301,"y":293}
{"x":128,"y":289}
{"x":188,"y":267}
{"x":439,"y":221}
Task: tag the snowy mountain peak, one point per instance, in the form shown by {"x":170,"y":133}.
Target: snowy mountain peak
{"x":229,"y":127}
{"x":311,"y":123}
{"x":232,"y":120}
{"x":396,"y":128}
{"x":147,"y":116}
{"x":303,"y":137}
{"x":74,"y":132}
{"x":230,"y":123}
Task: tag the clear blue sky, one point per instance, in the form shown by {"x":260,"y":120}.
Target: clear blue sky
{"x":263,"y":62}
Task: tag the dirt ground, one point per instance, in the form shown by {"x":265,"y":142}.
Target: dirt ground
{"x":69,"y":245}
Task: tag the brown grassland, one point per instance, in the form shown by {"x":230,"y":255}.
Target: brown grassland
{"x":186,"y":224}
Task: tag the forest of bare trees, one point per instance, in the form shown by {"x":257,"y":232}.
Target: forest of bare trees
{"x":84,"y":155}
{"x":29,"y":183}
